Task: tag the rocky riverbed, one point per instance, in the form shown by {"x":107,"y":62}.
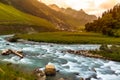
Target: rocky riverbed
{"x":70,"y":66}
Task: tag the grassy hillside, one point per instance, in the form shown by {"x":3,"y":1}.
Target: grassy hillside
{"x":15,"y":21}
{"x":70,"y":38}
{"x":62,"y":21}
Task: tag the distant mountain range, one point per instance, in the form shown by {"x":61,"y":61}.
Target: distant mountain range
{"x":33,"y":16}
{"x":79,"y":15}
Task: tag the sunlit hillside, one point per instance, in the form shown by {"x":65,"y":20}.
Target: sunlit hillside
{"x":14,"y":21}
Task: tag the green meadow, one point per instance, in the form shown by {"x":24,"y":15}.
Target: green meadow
{"x":70,"y":38}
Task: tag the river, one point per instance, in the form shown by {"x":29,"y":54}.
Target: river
{"x":70,"y":66}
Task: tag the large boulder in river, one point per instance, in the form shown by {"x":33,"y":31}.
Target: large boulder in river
{"x":50,"y":70}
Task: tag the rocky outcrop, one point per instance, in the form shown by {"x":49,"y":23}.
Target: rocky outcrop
{"x":50,"y":70}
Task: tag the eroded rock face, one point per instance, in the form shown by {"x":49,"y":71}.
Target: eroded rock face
{"x":50,"y":70}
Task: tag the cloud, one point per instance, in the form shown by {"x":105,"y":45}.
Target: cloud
{"x":108,"y":4}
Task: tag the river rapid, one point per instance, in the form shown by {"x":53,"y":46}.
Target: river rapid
{"x":70,"y":66}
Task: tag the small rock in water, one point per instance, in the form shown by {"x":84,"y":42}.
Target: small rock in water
{"x":51,"y":45}
{"x":11,"y":39}
{"x":7,"y":44}
{"x":81,"y":78}
{"x":76,"y":73}
{"x":6,"y":52}
{"x":57,"y":70}
{"x":40,"y":74}
{"x":92,"y":76}
{"x":61,"y":79}
{"x":93,"y":69}
{"x":88,"y":79}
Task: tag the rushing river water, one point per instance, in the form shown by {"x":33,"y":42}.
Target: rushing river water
{"x":71,"y":66}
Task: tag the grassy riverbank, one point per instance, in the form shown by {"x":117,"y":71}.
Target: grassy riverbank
{"x":70,"y":38}
{"x":111,"y":53}
{"x":9,"y":71}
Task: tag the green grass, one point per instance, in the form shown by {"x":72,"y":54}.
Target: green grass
{"x":112,"y":53}
{"x":13,"y":72}
{"x":13,"y":20}
{"x":70,"y":38}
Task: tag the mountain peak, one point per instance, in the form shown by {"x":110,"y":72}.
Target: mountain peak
{"x":54,"y":7}
{"x":81,"y":15}
{"x":82,"y":11}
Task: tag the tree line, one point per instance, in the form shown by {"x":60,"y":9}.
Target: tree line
{"x":108,"y":24}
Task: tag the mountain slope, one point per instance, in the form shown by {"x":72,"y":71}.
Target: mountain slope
{"x":62,"y":21}
{"x":15,"y":21}
{"x":79,"y":15}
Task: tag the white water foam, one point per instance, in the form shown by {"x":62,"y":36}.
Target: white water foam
{"x":17,"y":60}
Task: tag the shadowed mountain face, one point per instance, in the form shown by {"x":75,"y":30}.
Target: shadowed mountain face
{"x":79,"y":15}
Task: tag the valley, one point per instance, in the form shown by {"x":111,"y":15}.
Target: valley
{"x":78,"y":45}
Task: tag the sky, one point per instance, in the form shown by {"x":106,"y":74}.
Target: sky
{"x":96,"y":7}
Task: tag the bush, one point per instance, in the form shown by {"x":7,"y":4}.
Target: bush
{"x":104,"y":47}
